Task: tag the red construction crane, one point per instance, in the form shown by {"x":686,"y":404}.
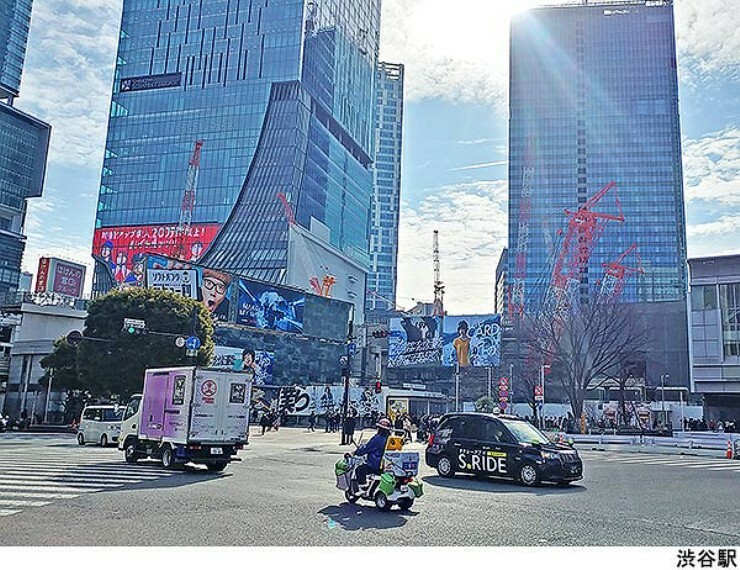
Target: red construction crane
{"x":585,"y":227}
{"x":616,"y":273}
{"x":516,"y":294}
{"x":188,"y":202}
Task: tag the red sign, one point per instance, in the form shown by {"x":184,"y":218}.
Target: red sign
{"x":503,"y":382}
{"x":208,"y":389}
{"x":43,"y":275}
{"x":123,"y":247}
{"x":538,"y":392}
{"x":68,"y":279}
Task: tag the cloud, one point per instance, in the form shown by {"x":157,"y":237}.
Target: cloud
{"x":712,"y":167}
{"x":481,"y":165}
{"x":69,"y":73}
{"x":724,"y":225}
{"x":472,"y":223}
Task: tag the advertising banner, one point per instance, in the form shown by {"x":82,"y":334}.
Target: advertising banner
{"x":122,"y":248}
{"x":415,"y":341}
{"x":68,"y":278}
{"x":261,"y":362}
{"x":211,"y":287}
{"x":472,"y":341}
{"x":42,"y":277}
{"x":270,"y":307}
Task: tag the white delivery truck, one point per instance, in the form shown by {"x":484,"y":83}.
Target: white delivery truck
{"x":188,"y":414}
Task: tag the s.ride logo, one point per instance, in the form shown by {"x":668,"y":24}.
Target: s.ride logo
{"x":493,"y":462}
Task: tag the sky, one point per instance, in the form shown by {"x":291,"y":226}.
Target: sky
{"x":454,"y":169}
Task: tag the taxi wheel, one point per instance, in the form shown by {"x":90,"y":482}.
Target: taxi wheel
{"x":528,"y":475}
{"x":444,"y":467}
{"x":80,"y":439}
{"x":104,"y":440}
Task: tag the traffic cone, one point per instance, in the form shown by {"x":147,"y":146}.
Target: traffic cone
{"x":728,"y":455}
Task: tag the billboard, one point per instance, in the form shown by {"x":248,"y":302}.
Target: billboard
{"x":213,"y":288}
{"x":472,"y":341}
{"x":415,"y":341}
{"x":59,"y":276}
{"x":123,"y":248}
{"x":261,"y":362}
{"x":271,"y":307}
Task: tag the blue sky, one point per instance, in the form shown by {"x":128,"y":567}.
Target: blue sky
{"x":455,"y":131}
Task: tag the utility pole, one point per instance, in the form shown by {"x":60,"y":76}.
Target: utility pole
{"x":511,"y":388}
{"x":542,"y":386}
{"x":346,"y":360}
{"x":48,"y":393}
{"x":457,"y":386}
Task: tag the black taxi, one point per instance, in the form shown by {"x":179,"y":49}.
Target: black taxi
{"x":500,"y":446}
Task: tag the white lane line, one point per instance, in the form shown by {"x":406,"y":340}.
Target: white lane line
{"x":38,"y":495}
{"x":87,"y":471}
{"x":16,"y":503}
{"x":723,"y":468}
{"x":69,"y":478}
{"x":7,"y":512}
{"x":51,"y":488}
{"x":704,"y":465}
{"x":14,"y":481}
{"x":51,"y":474}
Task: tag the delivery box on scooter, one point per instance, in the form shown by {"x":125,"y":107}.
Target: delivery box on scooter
{"x":401,"y":463}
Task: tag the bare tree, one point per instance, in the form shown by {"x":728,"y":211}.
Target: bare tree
{"x":588,"y":345}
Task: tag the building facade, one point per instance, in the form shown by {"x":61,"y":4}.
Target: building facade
{"x":594,"y":100}
{"x":386,"y":204}
{"x":501,"y":295}
{"x":25,"y":144}
{"x":595,"y":176}
{"x":715,"y":334}
{"x":281,"y":94}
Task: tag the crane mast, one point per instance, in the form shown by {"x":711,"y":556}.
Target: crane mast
{"x":187,"y":205}
{"x":439,"y":289}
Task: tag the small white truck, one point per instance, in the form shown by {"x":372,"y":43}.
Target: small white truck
{"x":188,"y":414}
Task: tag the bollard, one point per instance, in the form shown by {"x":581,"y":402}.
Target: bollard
{"x":729,"y":449}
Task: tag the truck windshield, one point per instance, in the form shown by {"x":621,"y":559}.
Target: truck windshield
{"x":524,"y":432}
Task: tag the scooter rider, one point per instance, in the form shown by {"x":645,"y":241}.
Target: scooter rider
{"x":374,"y":450}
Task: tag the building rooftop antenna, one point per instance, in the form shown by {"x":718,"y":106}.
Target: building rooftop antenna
{"x":439,"y":289}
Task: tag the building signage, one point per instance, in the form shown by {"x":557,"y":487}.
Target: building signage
{"x":415,"y":341}
{"x":68,"y":278}
{"x":148,"y":82}
{"x":43,"y":274}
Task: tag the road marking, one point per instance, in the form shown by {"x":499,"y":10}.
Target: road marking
{"x":18,"y":474}
{"x":6,"y":512}
{"x":74,"y":470}
{"x":16,"y":503}
{"x":38,"y":495}
{"x":51,"y":488}
{"x":725,"y":468}
{"x":14,"y":480}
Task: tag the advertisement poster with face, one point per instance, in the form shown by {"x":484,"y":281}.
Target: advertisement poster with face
{"x":270,"y":307}
{"x":121,"y":248}
{"x":472,"y":341}
{"x":260,"y":362}
{"x":415,"y":341}
{"x":211,"y":287}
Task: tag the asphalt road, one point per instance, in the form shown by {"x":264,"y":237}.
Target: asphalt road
{"x":53,"y":492}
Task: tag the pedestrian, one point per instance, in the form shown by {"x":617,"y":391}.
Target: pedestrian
{"x":348,"y":430}
{"x":264,"y":422}
{"x":407,"y":425}
{"x":398,"y":424}
{"x":311,"y":421}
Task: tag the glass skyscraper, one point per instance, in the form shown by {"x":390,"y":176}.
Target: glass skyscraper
{"x":594,"y":100}
{"x":24,"y":144}
{"x":386,"y":203}
{"x":280,"y":93}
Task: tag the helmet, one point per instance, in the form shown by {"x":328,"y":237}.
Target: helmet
{"x":384,"y":423}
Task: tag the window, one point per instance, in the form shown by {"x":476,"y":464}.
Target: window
{"x":132,"y":408}
{"x":730,"y":303}
{"x":703,"y":298}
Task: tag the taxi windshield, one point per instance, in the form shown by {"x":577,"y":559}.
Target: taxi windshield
{"x":524,"y":432}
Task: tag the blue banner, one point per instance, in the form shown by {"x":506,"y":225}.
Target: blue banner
{"x":472,"y":341}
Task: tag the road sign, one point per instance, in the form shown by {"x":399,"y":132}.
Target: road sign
{"x":538,"y":397}
{"x":74,"y":338}
{"x":191,"y":352}
{"x":503,"y":381}
{"x":503,"y":406}
{"x":503,"y":393}
{"x":135,"y":323}
{"x":352,"y":349}
{"x":343,"y":360}
{"x":180,"y":341}
{"x":193,"y":343}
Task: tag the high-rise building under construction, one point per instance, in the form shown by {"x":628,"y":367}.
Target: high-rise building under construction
{"x":595,"y":176}
{"x":281,"y":94}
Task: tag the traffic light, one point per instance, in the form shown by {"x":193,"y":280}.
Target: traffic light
{"x":134,"y":327}
{"x":378,"y":387}
{"x":380,"y":334}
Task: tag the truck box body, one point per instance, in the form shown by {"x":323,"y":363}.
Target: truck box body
{"x":195,"y":405}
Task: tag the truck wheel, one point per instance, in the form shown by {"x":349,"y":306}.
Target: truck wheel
{"x":216,"y":465}
{"x":80,"y":439}
{"x":104,"y":440}
{"x":168,"y":458}
{"x":444,"y":467}
{"x":130,"y":452}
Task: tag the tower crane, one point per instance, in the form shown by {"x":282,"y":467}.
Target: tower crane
{"x":184,"y":225}
{"x":439,"y":289}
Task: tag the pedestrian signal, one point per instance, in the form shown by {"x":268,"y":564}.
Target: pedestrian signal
{"x":378,"y":387}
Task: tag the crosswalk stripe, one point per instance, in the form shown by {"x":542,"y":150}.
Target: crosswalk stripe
{"x":72,"y":478}
{"x":52,"y":488}
{"x":22,"y":480}
{"x":17,"y":503}
{"x":6,"y":512}
{"x":38,"y":495}
{"x":78,"y":470}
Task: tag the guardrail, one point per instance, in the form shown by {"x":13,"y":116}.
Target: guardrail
{"x":680,"y":440}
